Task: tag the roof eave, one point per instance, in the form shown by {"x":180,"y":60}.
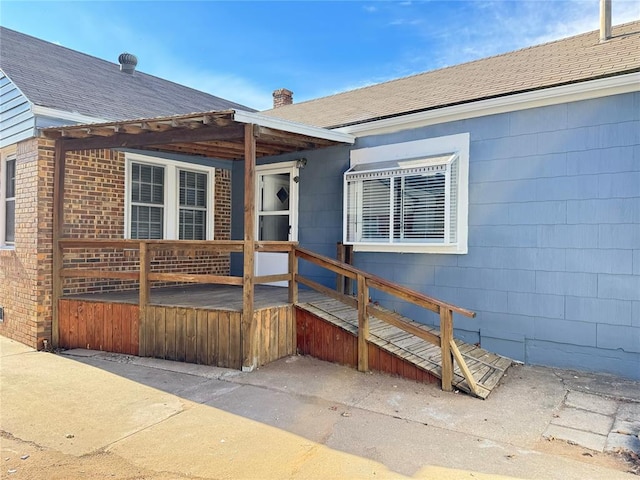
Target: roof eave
{"x":559,"y":93}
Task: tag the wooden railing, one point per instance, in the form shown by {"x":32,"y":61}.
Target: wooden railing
{"x":361,"y":301}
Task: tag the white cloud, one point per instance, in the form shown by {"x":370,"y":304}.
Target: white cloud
{"x":225,"y":85}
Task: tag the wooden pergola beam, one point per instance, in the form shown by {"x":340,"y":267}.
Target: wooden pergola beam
{"x":149,"y":138}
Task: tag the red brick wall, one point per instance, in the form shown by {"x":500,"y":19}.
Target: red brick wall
{"x":19,"y":266}
{"x":94,"y":208}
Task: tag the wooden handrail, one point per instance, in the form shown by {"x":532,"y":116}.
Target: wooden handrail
{"x":223,"y":245}
{"x":379,"y":283}
{"x":448,"y":348}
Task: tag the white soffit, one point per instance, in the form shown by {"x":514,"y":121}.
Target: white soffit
{"x":538,"y":98}
{"x":293,"y":127}
{"x":75,"y":117}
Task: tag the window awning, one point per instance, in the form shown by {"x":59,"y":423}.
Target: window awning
{"x":419,"y":166}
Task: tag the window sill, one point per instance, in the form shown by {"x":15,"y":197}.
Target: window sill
{"x":399,"y":248}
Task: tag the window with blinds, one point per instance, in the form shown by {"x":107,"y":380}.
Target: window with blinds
{"x":193,"y":205}
{"x":9,"y":185}
{"x":168,"y":199}
{"x":403,"y":202}
{"x":147,"y":201}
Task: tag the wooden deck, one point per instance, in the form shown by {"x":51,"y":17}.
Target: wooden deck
{"x":405,"y":354}
{"x":487,"y":368}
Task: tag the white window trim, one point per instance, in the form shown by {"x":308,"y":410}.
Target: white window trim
{"x":171,"y":194}
{"x":8,"y":153}
{"x":459,"y":144}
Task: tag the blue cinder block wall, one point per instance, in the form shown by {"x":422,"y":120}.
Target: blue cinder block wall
{"x":553,"y":268}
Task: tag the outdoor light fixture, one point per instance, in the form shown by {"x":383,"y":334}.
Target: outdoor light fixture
{"x":301,"y":162}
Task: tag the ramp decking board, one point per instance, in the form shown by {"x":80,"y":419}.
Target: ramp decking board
{"x":486,"y":368}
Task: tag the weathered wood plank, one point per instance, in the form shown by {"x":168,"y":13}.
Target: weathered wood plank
{"x":265,"y":331}
{"x":195,"y":278}
{"x":191,"y":349}
{"x":235,"y":340}
{"x":134,"y":329}
{"x":147,"y":329}
{"x":64,"y":322}
{"x":92,"y":273}
{"x":223,"y":339}
{"x":170,"y":333}
{"x":273,"y":334}
{"x":284,"y":331}
{"x":363,"y":324}
{"x":98,"y":325}
{"x":249,"y":352}
{"x":181,"y":333}
{"x":93,"y":338}
{"x":463,"y":366}
{"x":202,"y":337}
{"x":116,"y":322}
{"x":156,"y":315}
{"x":212,"y":343}
{"x":81,"y":328}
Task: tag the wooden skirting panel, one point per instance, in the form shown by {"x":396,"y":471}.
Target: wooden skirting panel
{"x":111,"y":327}
{"x":275,"y":332}
{"x":184,"y":334}
{"x":321,"y":339}
{"x":207,"y":337}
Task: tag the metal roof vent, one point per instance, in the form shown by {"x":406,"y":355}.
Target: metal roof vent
{"x":127,"y":62}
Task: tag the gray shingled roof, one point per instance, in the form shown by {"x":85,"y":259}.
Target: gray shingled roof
{"x":64,"y":79}
{"x":571,"y":60}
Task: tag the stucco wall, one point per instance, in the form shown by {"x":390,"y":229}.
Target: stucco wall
{"x":553,"y":268}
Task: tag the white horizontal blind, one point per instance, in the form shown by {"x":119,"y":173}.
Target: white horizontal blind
{"x":422,"y":208}
{"x":193,"y":205}
{"x":147,"y":201}
{"x":453,"y":200}
{"x":402,"y":205}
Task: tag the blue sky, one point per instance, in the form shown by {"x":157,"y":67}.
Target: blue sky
{"x":244,"y":50}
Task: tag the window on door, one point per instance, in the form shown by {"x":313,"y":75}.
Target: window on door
{"x":274,"y":223}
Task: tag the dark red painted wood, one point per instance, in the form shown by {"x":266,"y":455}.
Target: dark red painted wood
{"x":321,"y":339}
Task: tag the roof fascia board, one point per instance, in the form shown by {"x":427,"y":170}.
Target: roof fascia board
{"x":48,"y":112}
{"x":521,"y":101}
{"x":293,"y":127}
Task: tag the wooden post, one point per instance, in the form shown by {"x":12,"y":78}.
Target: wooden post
{"x":249,"y":344}
{"x":58,"y":225}
{"x":446,"y":336}
{"x":293,"y":297}
{"x":293,"y":271}
{"x":340,"y":256}
{"x":363,"y":324}
{"x":145,"y":345}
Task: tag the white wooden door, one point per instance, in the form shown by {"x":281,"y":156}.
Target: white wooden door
{"x":276,"y":214}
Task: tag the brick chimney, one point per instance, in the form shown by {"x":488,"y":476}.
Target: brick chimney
{"x":282,"y":97}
